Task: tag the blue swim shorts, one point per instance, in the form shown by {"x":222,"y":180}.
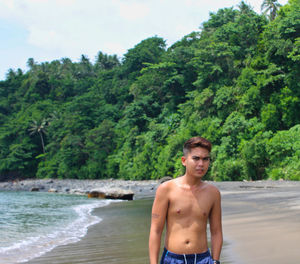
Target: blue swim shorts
{"x":173,"y":258}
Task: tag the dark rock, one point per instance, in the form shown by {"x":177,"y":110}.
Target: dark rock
{"x":34,"y":189}
{"x":127,"y":196}
{"x":112,"y":194}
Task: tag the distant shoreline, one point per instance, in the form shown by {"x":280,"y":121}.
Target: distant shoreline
{"x":141,"y":189}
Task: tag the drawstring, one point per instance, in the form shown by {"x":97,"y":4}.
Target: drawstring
{"x":186,"y":261}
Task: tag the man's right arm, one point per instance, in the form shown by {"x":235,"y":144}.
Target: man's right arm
{"x":215,"y":220}
{"x":159,"y":213}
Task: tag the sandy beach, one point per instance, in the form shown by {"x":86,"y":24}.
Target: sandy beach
{"x":261,"y":224}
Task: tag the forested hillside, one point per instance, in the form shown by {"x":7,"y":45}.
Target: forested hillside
{"x":235,"y":82}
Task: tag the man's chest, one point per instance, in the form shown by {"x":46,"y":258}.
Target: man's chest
{"x":187,"y":204}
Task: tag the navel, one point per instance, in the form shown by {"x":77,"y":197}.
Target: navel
{"x":178,"y":211}
{"x":187,"y":242}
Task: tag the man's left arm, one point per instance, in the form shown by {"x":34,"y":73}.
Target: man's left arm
{"x":215,"y":222}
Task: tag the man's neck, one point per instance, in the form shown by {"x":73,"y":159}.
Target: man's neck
{"x":191,"y":182}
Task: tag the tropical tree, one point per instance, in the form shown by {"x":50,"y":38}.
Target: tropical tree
{"x":39,"y":128}
{"x":271,"y":7}
{"x":106,"y":62}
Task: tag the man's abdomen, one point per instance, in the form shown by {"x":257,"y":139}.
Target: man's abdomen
{"x":186,"y":241}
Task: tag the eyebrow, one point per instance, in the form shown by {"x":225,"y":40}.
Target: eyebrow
{"x":205,"y":157}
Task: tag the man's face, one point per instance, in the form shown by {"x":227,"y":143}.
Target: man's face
{"x":196,"y":162}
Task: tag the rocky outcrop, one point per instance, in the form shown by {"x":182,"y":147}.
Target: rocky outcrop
{"x":112,"y":194}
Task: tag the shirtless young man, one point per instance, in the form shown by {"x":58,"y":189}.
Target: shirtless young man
{"x":186,"y":204}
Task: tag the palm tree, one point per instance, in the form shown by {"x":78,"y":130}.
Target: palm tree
{"x":271,"y":7}
{"x":39,"y":128}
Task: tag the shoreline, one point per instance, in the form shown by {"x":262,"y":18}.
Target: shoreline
{"x":118,"y":238}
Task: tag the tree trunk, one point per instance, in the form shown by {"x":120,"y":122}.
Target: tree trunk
{"x":42,"y":142}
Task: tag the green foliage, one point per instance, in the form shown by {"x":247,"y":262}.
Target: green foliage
{"x":229,"y":170}
{"x":284,"y":153}
{"x":148,"y":51}
{"x":255,"y":155}
{"x":98,"y":145}
{"x":236,"y":82}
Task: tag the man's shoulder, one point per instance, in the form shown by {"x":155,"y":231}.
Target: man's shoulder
{"x":167,"y":184}
{"x":212,"y":188}
{"x":163,"y":190}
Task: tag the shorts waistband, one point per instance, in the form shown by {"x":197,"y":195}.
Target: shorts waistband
{"x":188,"y":256}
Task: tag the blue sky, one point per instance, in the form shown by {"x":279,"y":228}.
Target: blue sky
{"x":47,"y":30}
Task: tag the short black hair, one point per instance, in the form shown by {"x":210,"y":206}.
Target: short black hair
{"x":196,"y":142}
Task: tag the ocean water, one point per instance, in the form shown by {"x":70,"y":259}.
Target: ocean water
{"x":33,"y":223}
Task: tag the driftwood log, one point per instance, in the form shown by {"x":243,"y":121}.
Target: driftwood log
{"x":112,"y":194}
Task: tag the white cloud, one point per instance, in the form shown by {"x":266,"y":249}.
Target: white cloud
{"x":8,"y":4}
{"x":132,"y":10}
{"x":114,"y":46}
{"x":48,"y":39}
{"x":69,"y":28}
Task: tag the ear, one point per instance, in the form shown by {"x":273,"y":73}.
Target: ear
{"x":183,"y":159}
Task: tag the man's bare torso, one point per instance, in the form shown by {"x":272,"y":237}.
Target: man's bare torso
{"x":187,"y":216}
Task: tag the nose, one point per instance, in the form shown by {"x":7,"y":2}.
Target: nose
{"x":201,"y":162}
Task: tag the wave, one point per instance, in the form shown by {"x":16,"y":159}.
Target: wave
{"x":33,"y":247}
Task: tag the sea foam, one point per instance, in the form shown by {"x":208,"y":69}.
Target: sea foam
{"x":34,"y":246}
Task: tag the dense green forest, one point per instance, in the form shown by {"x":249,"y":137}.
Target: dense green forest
{"x":235,"y":82}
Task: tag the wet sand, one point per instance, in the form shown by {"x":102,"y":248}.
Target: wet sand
{"x":121,"y":237}
{"x":261,"y":224}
